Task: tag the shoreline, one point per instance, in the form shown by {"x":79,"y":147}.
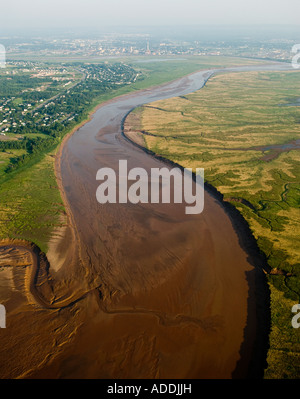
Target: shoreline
{"x":59,"y":150}
{"x":205,"y":74}
{"x":75,"y":244}
{"x":249,"y":244}
{"x":58,"y":156}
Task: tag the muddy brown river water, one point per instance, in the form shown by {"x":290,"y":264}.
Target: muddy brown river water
{"x":152,"y":292}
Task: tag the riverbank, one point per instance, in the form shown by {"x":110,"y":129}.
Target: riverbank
{"x":247,"y":242}
{"x":144,"y":274}
{"x":198,"y":130}
{"x":138,"y":298}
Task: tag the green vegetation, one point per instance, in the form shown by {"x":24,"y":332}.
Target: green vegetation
{"x":31,"y":205}
{"x":33,"y":147}
{"x":155,"y":73}
{"x":284,"y":355}
{"x":232,"y":128}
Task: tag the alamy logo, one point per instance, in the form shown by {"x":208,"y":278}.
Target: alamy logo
{"x":2,"y":56}
{"x":296,"y":318}
{"x":2,"y":316}
{"x":296,"y":50}
{"x":185,"y":189}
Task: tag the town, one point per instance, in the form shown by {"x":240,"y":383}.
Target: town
{"x":40,"y":102}
{"x":37,"y":98}
{"x":146,"y":44}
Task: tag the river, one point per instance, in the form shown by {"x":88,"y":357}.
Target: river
{"x":170,"y":295}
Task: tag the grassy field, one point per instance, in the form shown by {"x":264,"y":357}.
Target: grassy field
{"x":31,"y":205}
{"x":158,"y":72}
{"x":228,"y":128}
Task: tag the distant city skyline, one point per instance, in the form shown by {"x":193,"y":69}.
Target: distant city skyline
{"x":59,"y":14}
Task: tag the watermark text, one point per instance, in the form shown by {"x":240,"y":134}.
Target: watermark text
{"x":136,"y":390}
{"x":2,"y":316}
{"x":163,"y":185}
{"x":296,"y":318}
{"x":2,"y":56}
{"x":296,"y":51}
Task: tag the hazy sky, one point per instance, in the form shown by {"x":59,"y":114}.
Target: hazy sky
{"x":95,"y":13}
